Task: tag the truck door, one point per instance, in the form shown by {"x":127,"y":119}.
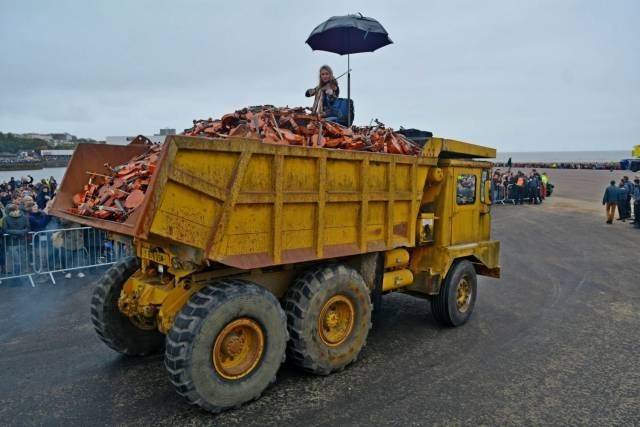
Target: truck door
{"x":484,"y":188}
{"x":466,"y":206}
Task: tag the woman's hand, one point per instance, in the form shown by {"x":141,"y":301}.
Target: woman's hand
{"x":310,"y":92}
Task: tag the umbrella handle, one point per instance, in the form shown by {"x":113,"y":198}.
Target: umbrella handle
{"x":344,"y":74}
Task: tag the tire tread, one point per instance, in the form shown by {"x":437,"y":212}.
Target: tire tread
{"x":297,"y":301}
{"x":104,"y":313}
{"x":186,"y":326}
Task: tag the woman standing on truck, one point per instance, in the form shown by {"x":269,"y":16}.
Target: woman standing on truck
{"x":326,"y":92}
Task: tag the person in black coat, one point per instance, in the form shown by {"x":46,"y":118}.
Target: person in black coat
{"x":636,"y":202}
{"x":5,"y":195}
{"x":16,"y":226}
{"x":623,"y":194}
{"x":43,"y":197}
{"x":53,"y":185}
{"x":38,"y":220}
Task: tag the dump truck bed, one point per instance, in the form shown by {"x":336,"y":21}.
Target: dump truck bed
{"x":247,"y":204}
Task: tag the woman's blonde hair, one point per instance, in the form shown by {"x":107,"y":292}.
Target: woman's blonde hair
{"x":333,"y":82}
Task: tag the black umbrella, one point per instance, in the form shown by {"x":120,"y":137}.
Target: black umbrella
{"x":349,"y":34}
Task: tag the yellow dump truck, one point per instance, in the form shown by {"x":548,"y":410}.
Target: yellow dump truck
{"x":246,"y":252}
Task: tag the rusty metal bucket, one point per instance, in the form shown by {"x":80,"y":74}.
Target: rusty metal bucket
{"x":91,"y":158}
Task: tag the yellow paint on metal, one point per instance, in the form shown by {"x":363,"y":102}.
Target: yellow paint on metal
{"x":175,"y":299}
{"x":336,"y":320}
{"x":396,"y":258}
{"x":250,"y":205}
{"x":151,"y":303}
{"x":463,"y":295}
{"x":436,"y":260}
{"x":238,"y":348}
{"x":138,"y":293}
{"x":435,"y":175}
{"x":397,"y":279}
{"x":450,"y":148}
{"x":247,"y":204}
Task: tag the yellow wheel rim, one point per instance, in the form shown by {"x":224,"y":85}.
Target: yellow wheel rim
{"x":238,"y":349}
{"x":463,"y":295}
{"x":336,"y":320}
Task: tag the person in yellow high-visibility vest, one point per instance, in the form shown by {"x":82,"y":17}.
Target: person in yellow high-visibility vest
{"x":544,"y":179}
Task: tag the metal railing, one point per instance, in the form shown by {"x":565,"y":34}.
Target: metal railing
{"x":503,"y":195}
{"x":60,"y":250}
{"x":509,"y":194}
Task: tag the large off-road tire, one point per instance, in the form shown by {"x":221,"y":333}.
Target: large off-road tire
{"x":226,"y":344}
{"x":329,"y":317}
{"x":114,"y":328}
{"x":457,"y":297}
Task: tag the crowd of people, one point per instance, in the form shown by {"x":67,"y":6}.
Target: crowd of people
{"x":518,"y":187}
{"x":23,"y":209}
{"x":563,"y":165}
{"x":22,"y":197}
{"x":622,"y":196}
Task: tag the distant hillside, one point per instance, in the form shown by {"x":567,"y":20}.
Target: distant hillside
{"x":14,"y":143}
{"x":10,"y":143}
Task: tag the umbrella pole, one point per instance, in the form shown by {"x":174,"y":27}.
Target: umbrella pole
{"x":348,"y":91}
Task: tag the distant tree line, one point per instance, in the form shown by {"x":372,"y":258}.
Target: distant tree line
{"x":11,"y":143}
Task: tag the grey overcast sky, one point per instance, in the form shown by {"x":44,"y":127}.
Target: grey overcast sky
{"x":517,"y":75}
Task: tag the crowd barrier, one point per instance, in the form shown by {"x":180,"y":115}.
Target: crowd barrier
{"x":504,"y":195}
{"x":42,"y":253}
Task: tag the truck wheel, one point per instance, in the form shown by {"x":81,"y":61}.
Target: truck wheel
{"x":329,"y":317}
{"x":457,"y":297}
{"x":114,"y":328}
{"x":226,"y":344}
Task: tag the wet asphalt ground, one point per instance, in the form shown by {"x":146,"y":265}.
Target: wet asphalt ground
{"x":555,"y":341}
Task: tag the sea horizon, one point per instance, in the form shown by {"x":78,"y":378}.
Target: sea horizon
{"x":574,"y":156}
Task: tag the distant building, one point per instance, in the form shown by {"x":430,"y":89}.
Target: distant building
{"x":26,"y":155}
{"x":45,"y":137}
{"x":54,"y":138}
{"x":63,"y":137}
{"x":52,"y":153}
{"x":167,"y":131}
{"x":56,"y":158}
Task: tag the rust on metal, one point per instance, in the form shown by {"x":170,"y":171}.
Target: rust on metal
{"x":114,"y":195}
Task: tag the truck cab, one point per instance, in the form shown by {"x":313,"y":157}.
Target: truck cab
{"x":455,"y":217}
